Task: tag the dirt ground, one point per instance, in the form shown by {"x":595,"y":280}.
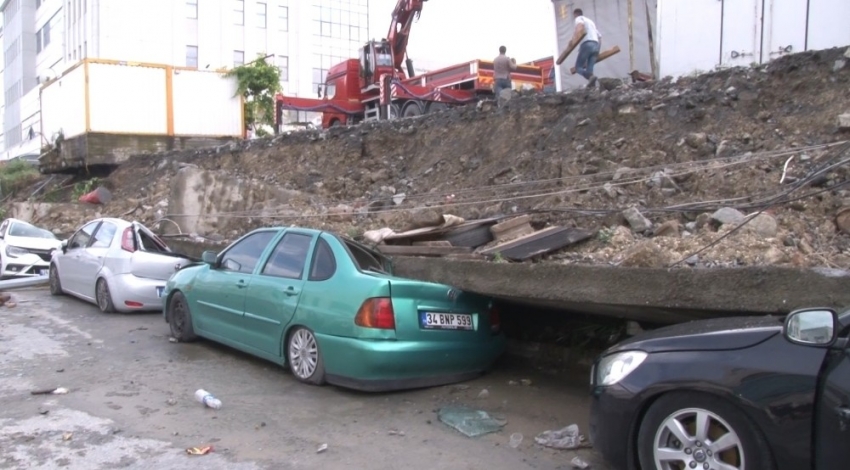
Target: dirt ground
{"x":744,"y":138}
{"x":130,"y":404}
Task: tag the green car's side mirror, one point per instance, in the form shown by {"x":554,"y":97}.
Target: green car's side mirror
{"x":209,"y":257}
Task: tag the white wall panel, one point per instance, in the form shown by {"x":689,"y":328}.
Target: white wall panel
{"x":63,"y":105}
{"x":688,"y":36}
{"x":829,"y":24}
{"x":205,"y":105}
{"x":127,"y":99}
{"x":784,"y":28}
{"x":741,"y":35}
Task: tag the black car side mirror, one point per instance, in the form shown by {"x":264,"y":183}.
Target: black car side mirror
{"x":210,"y":257}
{"x":811,"y":327}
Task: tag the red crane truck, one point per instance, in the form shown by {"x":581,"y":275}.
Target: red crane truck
{"x":375,"y":86}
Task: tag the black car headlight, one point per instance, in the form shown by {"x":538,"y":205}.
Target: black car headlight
{"x":614,"y":368}
{"x":14,"y":251}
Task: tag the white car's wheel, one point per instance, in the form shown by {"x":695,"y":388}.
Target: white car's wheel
{"x":103,"y":297}
{"x":55,"y":283}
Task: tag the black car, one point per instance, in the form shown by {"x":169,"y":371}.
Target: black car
{"x":727,"y":394}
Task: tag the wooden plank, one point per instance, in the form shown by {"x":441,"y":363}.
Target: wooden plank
{"x":509,"y":224}
{"x":569,"y":50}
{"x":471,"y":237}
{"x":434,"y":232}
{"x":541,"y":242}
{"x":602,"y":56}
{"x":402,"y":250}
{"x":512,"y":233}
{"x":433,"y":243}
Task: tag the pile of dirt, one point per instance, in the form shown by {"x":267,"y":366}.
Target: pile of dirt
{"x":674,"y":151}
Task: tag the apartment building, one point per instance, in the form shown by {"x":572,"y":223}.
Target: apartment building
{"x":43,"y":38}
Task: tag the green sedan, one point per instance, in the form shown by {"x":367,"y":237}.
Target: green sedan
{"x":331,"y":309}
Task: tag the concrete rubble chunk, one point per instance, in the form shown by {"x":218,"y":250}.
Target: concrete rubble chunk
{"x":839,"y":64}
{"x":763,"y":225}
{"x":667,"y":229}
{"x":696,"y":139}
{"x":636,"y":220}
{"x":727,"y":215}
{"x":844,"y":122}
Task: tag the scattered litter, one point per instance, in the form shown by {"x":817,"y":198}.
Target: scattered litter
{"x":199,"y":450}
{"x":566,"y":438}
{"x":579,"y":463}
{"x":484,"y":393}
{"x":11,"y":305}
{"x":526,"y":382}
{"x":60,"y":370}
{"x":49,"y":391}
{"x":472,"y":423}
{"x":172,"y":339}
{"x":171,"y":402}
{"x":43,"y":412}
{"x":513,"y":382}
{"x":395,"y":432}
{"x":516,"y":440}
{"x":67,"y":436}
{"x":207,"y":399}
{"x":322,"y":448}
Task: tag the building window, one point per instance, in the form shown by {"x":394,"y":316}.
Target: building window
{"x":283,"y":66}
{"x":283,"y":18}
{"x":261,"y":15}
{"x":192,"y":56}
{"x":238,"y":58}
{"x":239,"y":12}
{"x":192,"y":9}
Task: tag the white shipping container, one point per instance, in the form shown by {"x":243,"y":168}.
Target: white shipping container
{"x":63,"y":104}
{"x":101,"y":96}
{"x":205,"y":104}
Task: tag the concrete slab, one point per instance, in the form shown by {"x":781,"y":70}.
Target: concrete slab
{"x":643,"y":294}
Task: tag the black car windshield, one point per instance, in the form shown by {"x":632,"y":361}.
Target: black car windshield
{"x":29,"y":231}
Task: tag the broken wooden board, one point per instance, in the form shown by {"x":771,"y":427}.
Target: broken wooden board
{"x":431,"y":233}
{"x":472,"y":237}
{"x":433,"y":243}
{"x":569,"y":50}
{"x":512,"y":228}
{"x":602,"y":56}
{"x":405,"y":250}
{"x":539,"y":243}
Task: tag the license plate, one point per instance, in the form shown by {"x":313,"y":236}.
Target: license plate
{"x":445,"y":321}
{"x":159,"y":291}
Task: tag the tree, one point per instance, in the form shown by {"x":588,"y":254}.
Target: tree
{"x":257,"y":83}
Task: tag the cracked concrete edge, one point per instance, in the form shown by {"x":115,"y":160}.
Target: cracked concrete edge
{"x":648,"y":294}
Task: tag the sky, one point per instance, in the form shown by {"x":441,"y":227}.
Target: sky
{"x":454,"y":31}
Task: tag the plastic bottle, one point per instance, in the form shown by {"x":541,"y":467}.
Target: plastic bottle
{"x":207,"y":399}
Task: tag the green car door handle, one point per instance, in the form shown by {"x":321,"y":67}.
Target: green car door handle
{"x":241,"y":284}
{"x":291,"y":291}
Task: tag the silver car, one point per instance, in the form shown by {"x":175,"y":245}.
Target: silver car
{"x":118,"y":265}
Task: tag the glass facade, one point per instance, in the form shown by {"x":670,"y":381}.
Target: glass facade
{"x":340,"y":28}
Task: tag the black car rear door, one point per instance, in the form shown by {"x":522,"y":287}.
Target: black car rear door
{"x":832,"y":421}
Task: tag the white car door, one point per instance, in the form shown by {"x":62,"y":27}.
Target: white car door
{"x":70,"y":263}
{"x":92,"y":257}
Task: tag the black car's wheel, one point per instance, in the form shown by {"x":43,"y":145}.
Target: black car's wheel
{"x":304,"y":357}
{"x":55,"y":283}
{"x":180,"y":319}
{"x":693,"y":430}
{"x":103,"y":297}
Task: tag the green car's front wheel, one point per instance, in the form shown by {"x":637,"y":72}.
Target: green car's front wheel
{"x":304,"y":357}
{"x":180,"y":319}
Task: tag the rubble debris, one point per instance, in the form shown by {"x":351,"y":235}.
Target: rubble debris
{"x":578,"y":462}
{"x":636,"y":220}
{"x":844,"y":122}
{"x":50,"y":391}
{"x":322,"y":448}
{"x":484,"y":393}
{"x":565,"y":438}
{"x":539,"y":243}
{"x":204,"y":450}
{"x":727,"y":215}
{"x":470,"y":422}
{"x":67,"y":436}
{"x":512,"y":228}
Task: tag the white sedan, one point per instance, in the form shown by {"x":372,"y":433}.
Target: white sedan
{"x":25,"y":249}
{"x":117,"y":265}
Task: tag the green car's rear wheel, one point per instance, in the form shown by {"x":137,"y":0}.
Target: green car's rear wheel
{"x":180,"y":319}
{"x":304,"y":357}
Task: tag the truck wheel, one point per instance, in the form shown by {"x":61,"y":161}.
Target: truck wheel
{"x":436,"y":107}
{"x":412,"y":109}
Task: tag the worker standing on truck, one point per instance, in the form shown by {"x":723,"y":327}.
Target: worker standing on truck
{"x":502,"y":67}
{"x":588,"y":48}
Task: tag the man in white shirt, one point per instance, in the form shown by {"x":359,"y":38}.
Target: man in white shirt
{"x":588,"y":51}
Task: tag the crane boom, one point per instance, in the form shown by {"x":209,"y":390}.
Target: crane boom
{"x":403,"y":15}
